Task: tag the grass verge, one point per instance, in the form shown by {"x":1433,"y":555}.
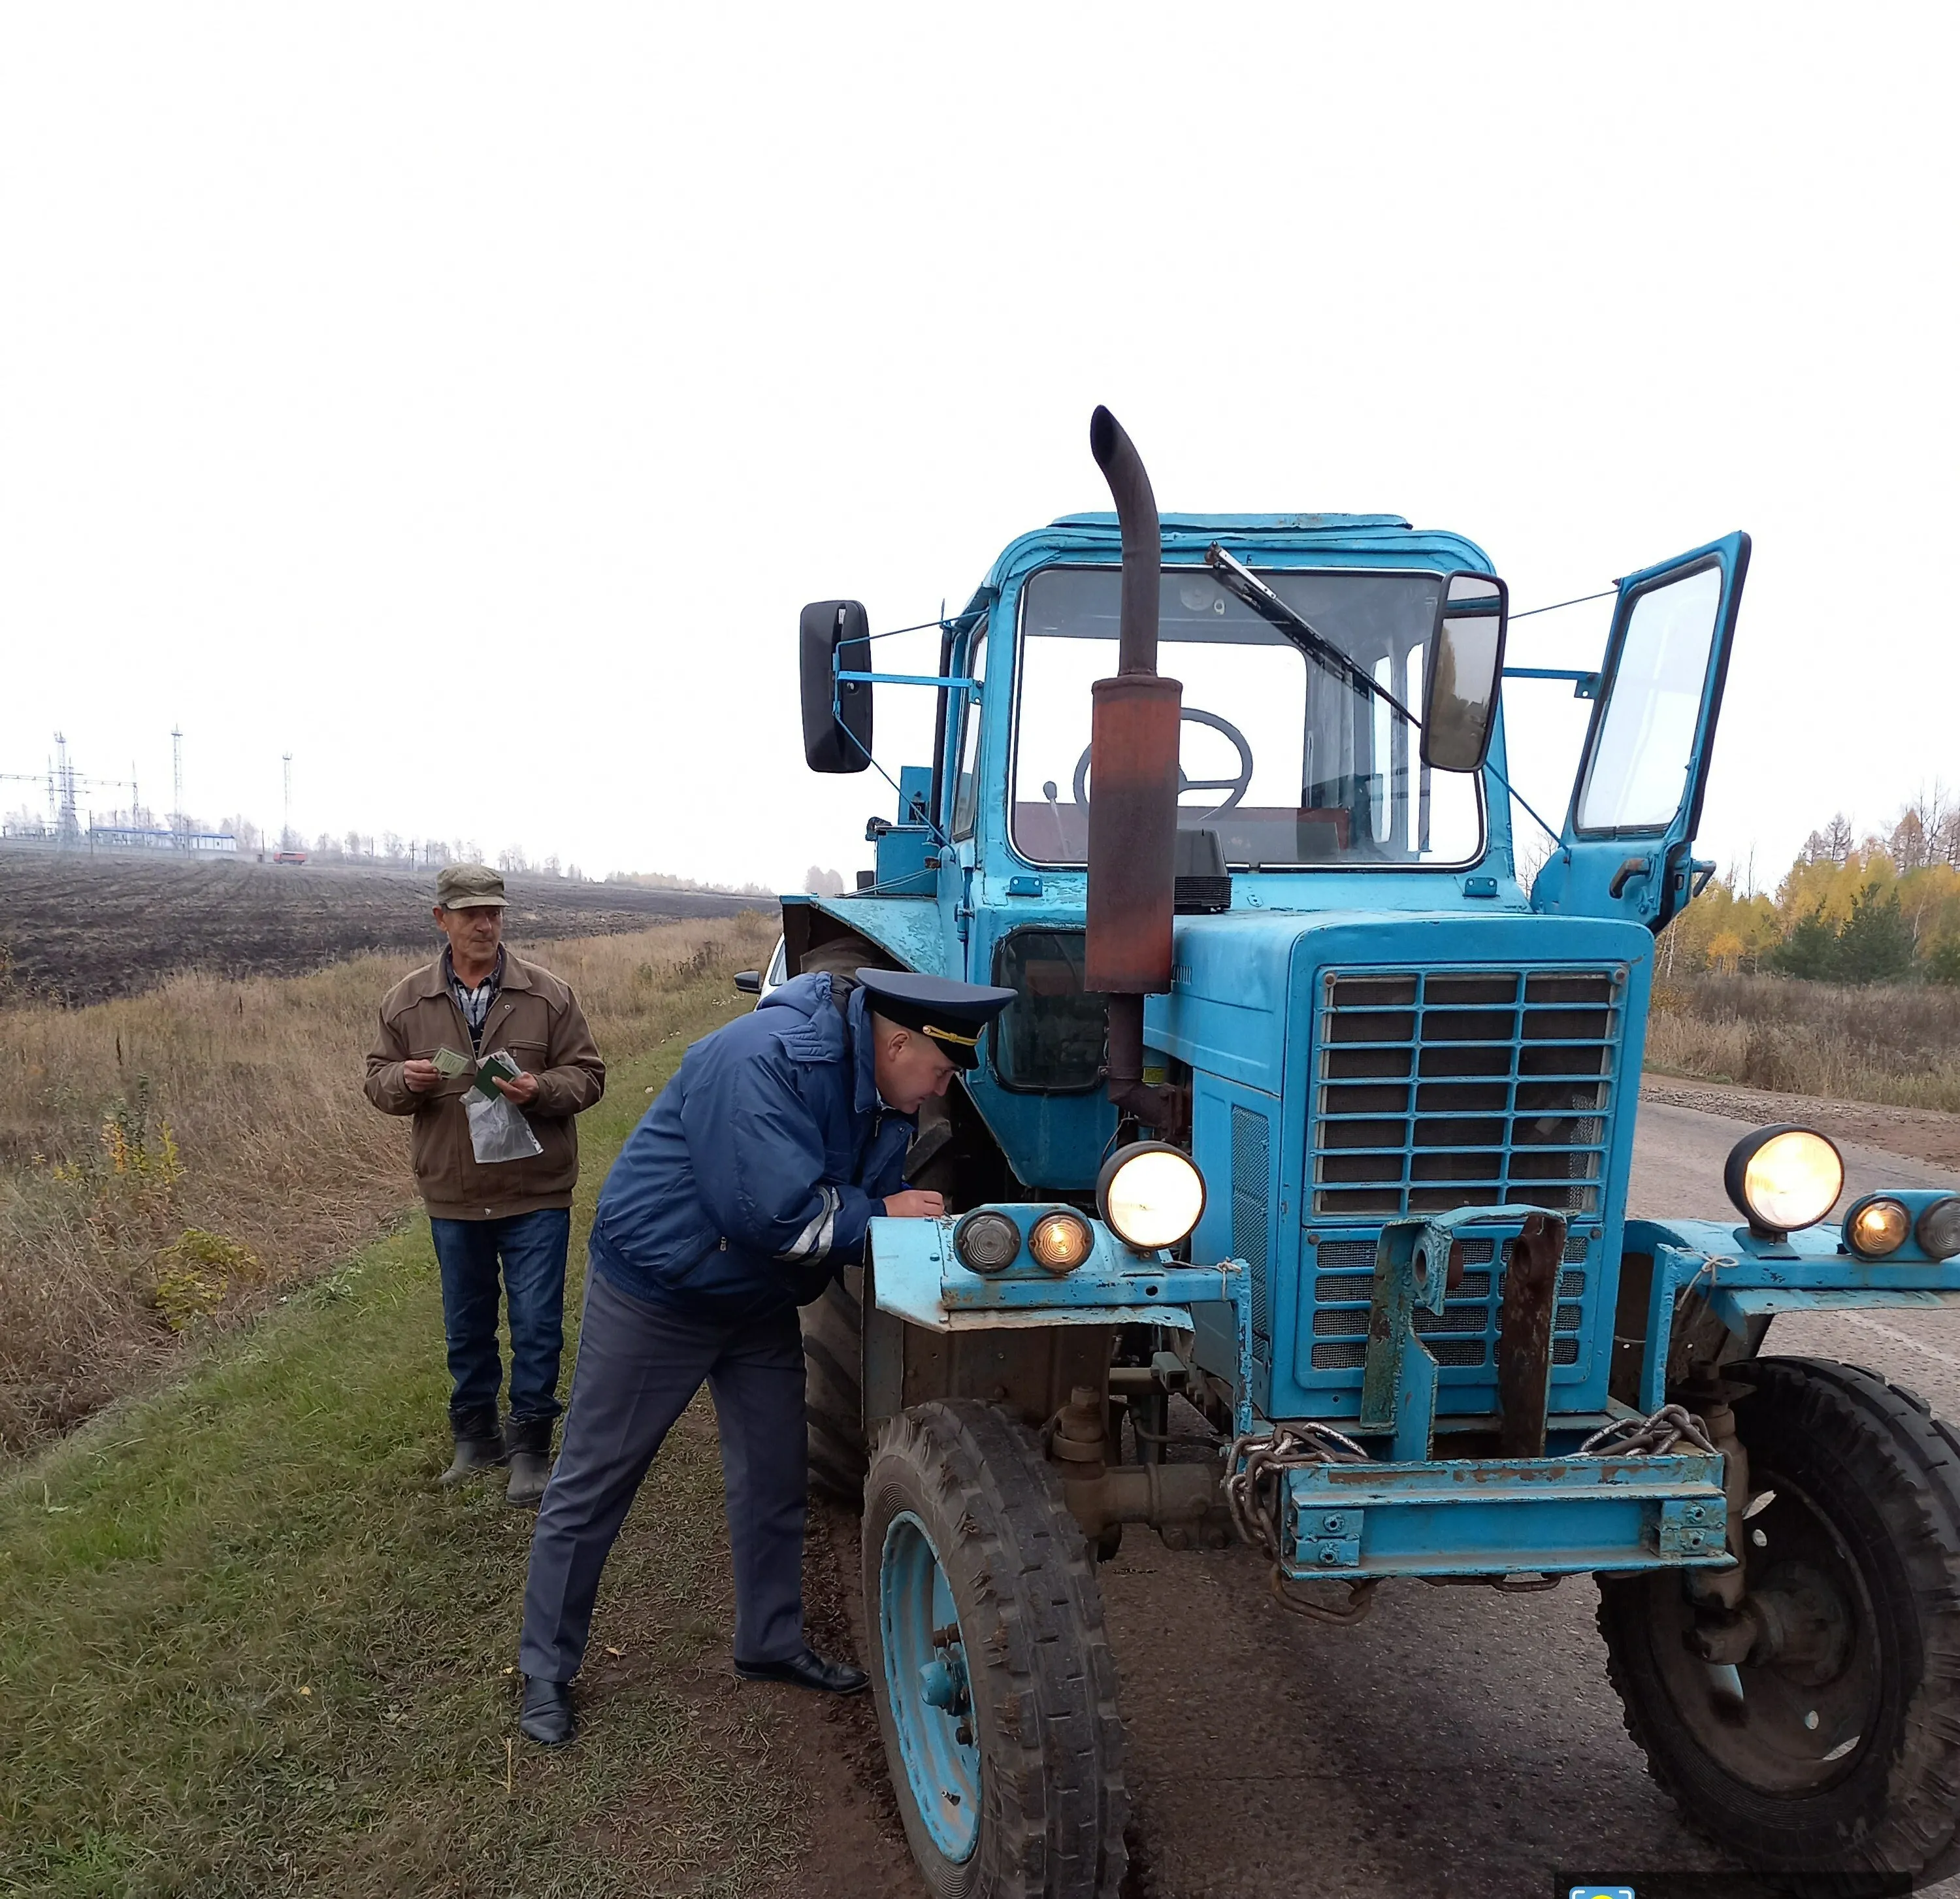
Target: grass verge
{"x":1895,"y":1044}
{"x":169,"y":1162}
{"x":247,"y":1646}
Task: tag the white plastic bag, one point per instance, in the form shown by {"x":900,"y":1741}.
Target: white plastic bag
{"x":497,"y":1128}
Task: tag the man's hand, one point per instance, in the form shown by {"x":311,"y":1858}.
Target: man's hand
{"x":420,"y":1077}
{"x":914,"y":1203}
{"x":523,"y":1091}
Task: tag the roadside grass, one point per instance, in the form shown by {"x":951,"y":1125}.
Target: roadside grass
{"x":169,"y":1162}
{"x":1896,"y":1043}
{"x":248,"y":1646}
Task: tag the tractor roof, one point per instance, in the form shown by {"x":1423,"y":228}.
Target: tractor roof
{"x":1246,"y":524}
{"x":1370,"y":539}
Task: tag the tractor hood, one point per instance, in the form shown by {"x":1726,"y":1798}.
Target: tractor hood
{"x":1239,"y":977}
{"x":1352,"y":1068}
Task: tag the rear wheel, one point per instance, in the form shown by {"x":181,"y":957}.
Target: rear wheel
{"x":995,"y":1689}
{"x":834,"y":1388}
{"x":1832,"y":1753}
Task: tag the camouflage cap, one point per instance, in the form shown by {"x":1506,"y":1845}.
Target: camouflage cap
{"x":469,"y":886}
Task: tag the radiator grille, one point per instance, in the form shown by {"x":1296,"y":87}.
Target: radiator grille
{"x":1464,"y":1333}
{"x":1436,"y":1089}
{"x":1252,"y":1159}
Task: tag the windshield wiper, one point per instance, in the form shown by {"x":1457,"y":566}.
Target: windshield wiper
{"x":1239,"y":581}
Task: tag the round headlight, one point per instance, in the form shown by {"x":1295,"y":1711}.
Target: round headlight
{"x":1783,"y":1178}
{"x":1151,"y":1193}
{"x":1939,"y":1230}
{"x":1878,"y":1226}
{"x":987,"y":1242}
{"x":1060,"y":1242}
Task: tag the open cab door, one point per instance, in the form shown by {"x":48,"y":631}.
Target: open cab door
{"x":1637,"y":799}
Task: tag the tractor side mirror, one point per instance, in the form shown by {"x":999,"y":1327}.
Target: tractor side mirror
{"x":1465,"y":661}
{"x":835,"y":638}
{"x":748,"y":982}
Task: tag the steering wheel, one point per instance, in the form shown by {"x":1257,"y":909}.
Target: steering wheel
{"x":1235,"y":787}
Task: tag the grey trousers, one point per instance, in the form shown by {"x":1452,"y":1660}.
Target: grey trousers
{"x":639,"y":1365}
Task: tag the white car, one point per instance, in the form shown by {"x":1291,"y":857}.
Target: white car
{"x":759,"y":983}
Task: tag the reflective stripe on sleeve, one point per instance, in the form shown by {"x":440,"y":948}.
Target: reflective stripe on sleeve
{"x":813,"y":1242}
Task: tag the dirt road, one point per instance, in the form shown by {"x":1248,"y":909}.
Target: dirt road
{"x":1460,"y":1744}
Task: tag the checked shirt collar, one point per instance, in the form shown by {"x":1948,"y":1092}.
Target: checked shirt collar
{"x":475,"y":1003}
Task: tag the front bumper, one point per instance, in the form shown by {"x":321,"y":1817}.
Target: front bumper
{"x":1491,"y":1517}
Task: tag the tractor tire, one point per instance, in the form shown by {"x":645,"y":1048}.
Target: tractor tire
{"x":834,"y":1388}
{"x":1835,"y":1772}
{"x":995,"y":1688}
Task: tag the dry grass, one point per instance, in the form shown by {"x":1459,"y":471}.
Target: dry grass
{"x":248,"y":1646}
{"x":1898,"y":1044}
{"x":166,"y":1158}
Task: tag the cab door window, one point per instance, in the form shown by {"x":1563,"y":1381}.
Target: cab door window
{"x":967,"y":786}
{"x":1637,"y":778}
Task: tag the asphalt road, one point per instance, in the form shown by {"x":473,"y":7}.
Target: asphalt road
{"x":1459,"y":1742}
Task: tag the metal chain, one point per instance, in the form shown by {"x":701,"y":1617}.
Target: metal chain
{"x":1649,"y":1437}
{"x":1256,"y":1468}
{"x":1360,"y":1599}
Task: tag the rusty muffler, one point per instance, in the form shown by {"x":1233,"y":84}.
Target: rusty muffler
{"x":1133,"y":790}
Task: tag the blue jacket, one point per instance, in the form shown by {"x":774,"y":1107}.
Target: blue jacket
{"x":750,"y":1180}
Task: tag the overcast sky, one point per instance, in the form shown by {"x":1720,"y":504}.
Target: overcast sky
{"x":465,"y":398}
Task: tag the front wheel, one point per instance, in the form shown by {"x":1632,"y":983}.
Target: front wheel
{"x":996,"y":1692}
{"x":1830,"y":1754}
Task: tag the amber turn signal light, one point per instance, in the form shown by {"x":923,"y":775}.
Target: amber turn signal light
{"x":1060,"y":1242}
{"x":1878,"y":1226}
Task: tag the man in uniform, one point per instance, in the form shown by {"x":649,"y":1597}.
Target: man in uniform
{"x":746,"y":1186}
{"x":476,"y":998}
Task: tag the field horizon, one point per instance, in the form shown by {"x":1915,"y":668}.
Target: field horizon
{"x":77,"y":928}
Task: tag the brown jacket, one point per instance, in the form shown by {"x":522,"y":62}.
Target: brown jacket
{"x":537,"y":1019}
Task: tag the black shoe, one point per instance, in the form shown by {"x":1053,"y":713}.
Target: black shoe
{"x":479,"y":1447}
{"x":808,"y":1670}
{"x":546,"y":1715}
{"x":527,"y":1442}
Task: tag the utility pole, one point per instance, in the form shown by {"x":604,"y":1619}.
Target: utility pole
{"x":177,"y":824}
{"x":286,"y":829}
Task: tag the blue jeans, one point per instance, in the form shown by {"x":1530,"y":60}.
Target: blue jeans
{"x":531,"y":1247}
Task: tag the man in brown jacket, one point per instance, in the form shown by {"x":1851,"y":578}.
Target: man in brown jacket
{"x":477,"y":997}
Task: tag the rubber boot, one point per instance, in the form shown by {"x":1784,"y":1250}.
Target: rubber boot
{"x":478,"y":1447}
{"x":527,"y":1443}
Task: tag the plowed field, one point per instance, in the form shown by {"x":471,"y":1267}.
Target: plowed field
{"x":80,"y":928}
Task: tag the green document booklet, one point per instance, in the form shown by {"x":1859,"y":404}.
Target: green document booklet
{"x":490,"y":1068}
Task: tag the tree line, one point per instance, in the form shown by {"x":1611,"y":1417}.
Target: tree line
{"x":1882,"y":908}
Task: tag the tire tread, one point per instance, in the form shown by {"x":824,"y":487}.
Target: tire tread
{"x":1059,"y":1831}
{"x":833,"y":1396}
{"x":1908,"y":1463}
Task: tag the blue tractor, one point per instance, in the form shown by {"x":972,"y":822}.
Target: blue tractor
{"x":1290,"y":1199}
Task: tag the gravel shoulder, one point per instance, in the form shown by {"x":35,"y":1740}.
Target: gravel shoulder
{"x":1913,"y":1134}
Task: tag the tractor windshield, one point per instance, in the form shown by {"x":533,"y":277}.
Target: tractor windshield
{"x":1291,"y":766}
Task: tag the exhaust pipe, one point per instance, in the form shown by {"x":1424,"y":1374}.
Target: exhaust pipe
{"x":1143,"y":541}
{"x":1132,"y":797}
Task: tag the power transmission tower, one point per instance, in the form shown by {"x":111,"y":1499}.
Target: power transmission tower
{"x":286,"y":829}
{"x":177,"y":824}
{"x":68,"y":827}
